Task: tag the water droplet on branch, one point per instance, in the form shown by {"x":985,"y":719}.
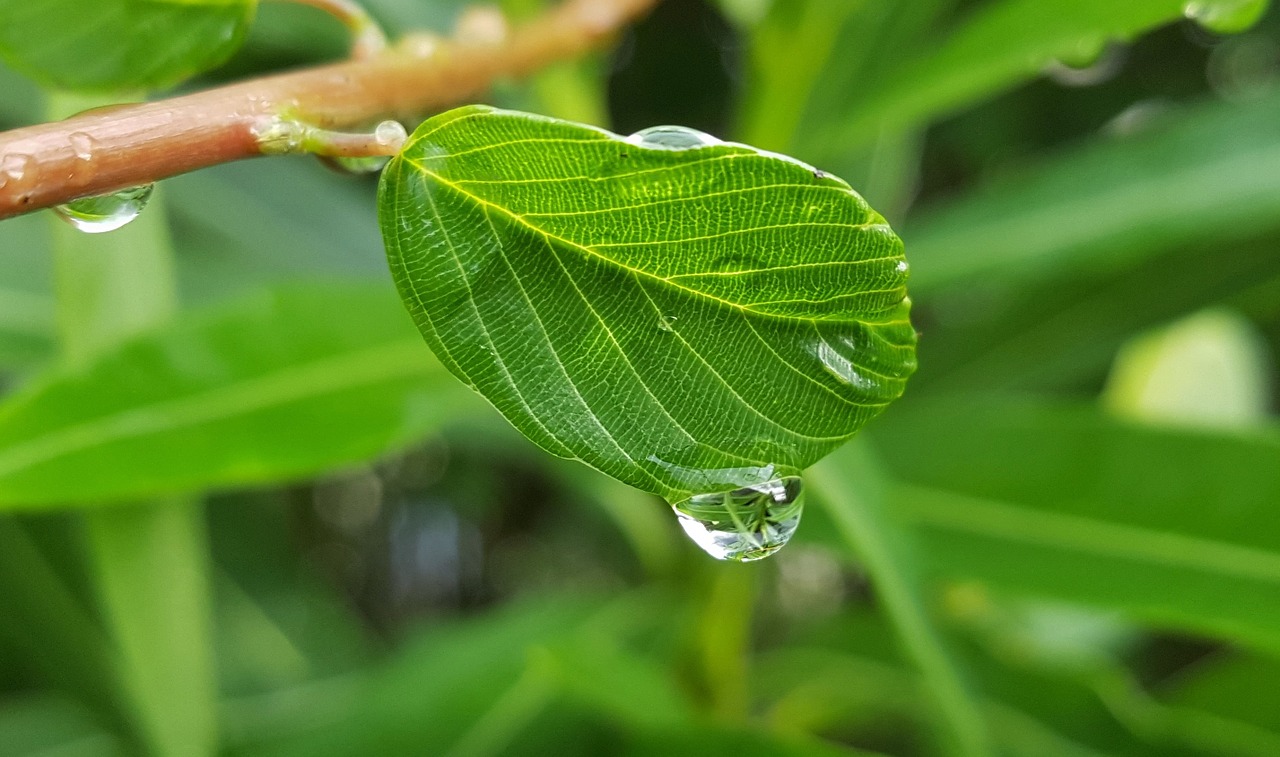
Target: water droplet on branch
{"x":672,"y":138}
{"x":101,"y":213}
{"x":745,"y":524}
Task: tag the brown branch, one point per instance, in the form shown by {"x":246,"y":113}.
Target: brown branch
{"x":109,"y":149}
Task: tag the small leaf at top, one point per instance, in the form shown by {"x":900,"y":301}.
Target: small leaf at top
{"x":683,"y":314}
{"x":120,"y":45}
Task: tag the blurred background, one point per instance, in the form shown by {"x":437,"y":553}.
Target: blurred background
{"x":1064,"y":539}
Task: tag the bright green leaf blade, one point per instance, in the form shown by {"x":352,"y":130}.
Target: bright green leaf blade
{"x":264,"y":389}
{"x":681,"y":319}
{"x":1001,"y":44}
{"x":1178,"y":529}
{"x":116,"y":45}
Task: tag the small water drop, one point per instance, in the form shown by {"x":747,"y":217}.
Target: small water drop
{"x":667,"y":323}
{"x":902,"y":266}
{"x":1225,"y":16}
{"x":14,"y":166}
{"x":101,"y":213}
{"x":745,"y":524}
{"x":391,"y":134}
{"x":672,"y":138}
{"x":83,"y":145}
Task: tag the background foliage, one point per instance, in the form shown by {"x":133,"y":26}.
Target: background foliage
{"x":245,"y":513}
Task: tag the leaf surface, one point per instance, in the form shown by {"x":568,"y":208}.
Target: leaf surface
{"x":120,"y":45}
{"x":681,"y":319}
{"x":262,"y":389}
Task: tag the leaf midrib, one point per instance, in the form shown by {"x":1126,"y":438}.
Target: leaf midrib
{"x":399,"y":359}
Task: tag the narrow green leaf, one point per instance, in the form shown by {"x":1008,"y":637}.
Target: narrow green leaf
{"x":1000,"y":44}
{"x":849,"y":485}
{"x":1111,"y":202}
{"x":118,"y":45}
{"x":682,"y":318}
{"x":1175,"y":528}
{"x":266,"y":388}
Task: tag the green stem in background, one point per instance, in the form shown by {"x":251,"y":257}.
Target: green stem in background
{"x":724,"y":638}
{"x":787,"y":60}
{"x":848,"y":484}
{"x":148,"y":561}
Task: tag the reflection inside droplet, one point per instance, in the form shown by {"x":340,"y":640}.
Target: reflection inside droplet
{"x":672,"y":138}
{"x":101,"y":213}
{"x":745,"y":524}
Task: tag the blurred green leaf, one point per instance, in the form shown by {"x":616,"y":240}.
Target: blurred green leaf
{"x":262,"y":389}
{"x":26,"y":308}
{"x":469,"y":688}
{"x":1238,"y":687}
{"x":729,"y":741}
{"x":49,"y":727}
{"x":120,"y":45}
{"x":849,"y":485}
{"x":1000,"y":44}
{"x":1177,"y":529}
{"x":50,"y":629}
{"x":613,"y":298}
{"x":1110,"y":203}
{"x":1208,"y":369}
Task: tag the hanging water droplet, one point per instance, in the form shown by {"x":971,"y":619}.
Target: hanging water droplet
{"x":101,"y":213}
{"x":745,"y":524}
{"x":902,"y":266}
{"x":13,"y":167}
{"x":1225,"y":16}
{"x":672,"y":138}
{"x":667,"y":323}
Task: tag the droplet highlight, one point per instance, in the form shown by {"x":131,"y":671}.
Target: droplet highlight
{"x":102,"y":213}
{"x":1225,"y":16}
{"x":745,"y":524}
{"x":672,"y":138}
{"x":82,"y":144}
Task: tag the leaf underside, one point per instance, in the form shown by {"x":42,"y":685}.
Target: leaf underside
{"x":120,"y":45}
{"x":683,"y":320}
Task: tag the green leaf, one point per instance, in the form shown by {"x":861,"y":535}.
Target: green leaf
{"x":681,"y":319}
{"x":1001,"y":44}
{"x":849,"y":484}
{"x":1111,"y":202}
{"x":1178,"y":529}
{"x":119,"y":45}
{"x":267,"y":388}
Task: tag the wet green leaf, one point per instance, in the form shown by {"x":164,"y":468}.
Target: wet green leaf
{"x":119,"y":45}
{"x":684,"y":318}
{"x":264,"y":389}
